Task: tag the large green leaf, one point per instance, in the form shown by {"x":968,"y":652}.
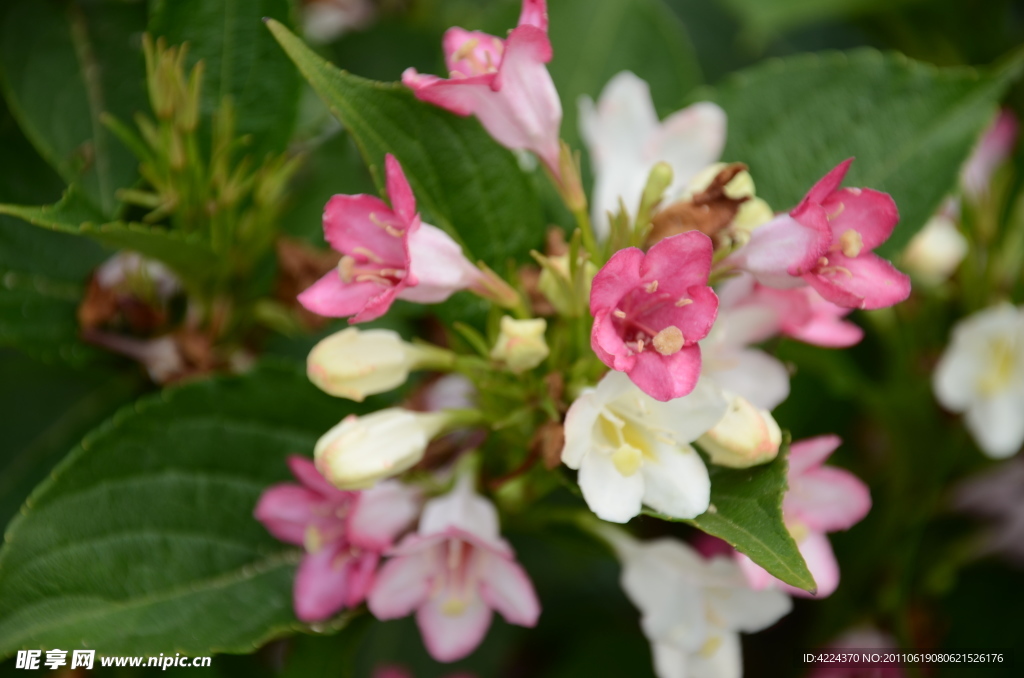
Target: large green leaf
{"x":595,"y":39}
{"x":910,"y":126}
{"x":143,"y":541}
{"x":63,"y":64}
{"x":464,"y":182}
{"x":746,"y":511}
{"x":241,"y":61}
{"x":187,"y":254}
{"x":765,"y":18}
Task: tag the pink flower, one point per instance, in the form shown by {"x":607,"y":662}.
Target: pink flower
{"x":651,"y":310}
{"x":826,"y":242}
{"x":453,"y":573}
{"x":504,"y":83}
{"x":995,"y":147}
{"x":820,"y":499}
{"x":387,"y":254}
{"x":343,"y":533}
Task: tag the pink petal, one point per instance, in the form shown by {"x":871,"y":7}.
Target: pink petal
{"x":827,"y":185}
{"x":305,"y":472}
{"x":286,"y":510}
{"x":824,"y":326}
{"x":505,"y":587}
{"x":694,"y":320}
{"x":617,"y":277}
{"x":867,"y":281}
{"x":870,"y":213}
{"x":399,"y":192}
{"x":811,"y":453}
{"x":451,"y":637}
{"x":329,"y":580}
{"x":679,"y":262}
{"x":667,"y":377}
{"x":821,"y":561}
{"x":995,"y":147}
{"x":331,"y":297}
{"x":461,"y":97}
{"x":534,"y":13}
{"x":378,"y":305}
{"x":352,"y":225}
{"x":827,"y":499}
{"x":488,"y":51}
{"x":608,"y":345}
{"x":781,"y":248}
{"x":757,"y":577}
{"x":380,"y":514}
{"x":402,"y":585}
{"x":438,"y":265}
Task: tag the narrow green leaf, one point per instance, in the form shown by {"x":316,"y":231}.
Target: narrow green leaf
{"x":464,"y":182}
{"x":910,"y":126}
{"x":62,"y":66}
{"x":190,"y":255}
{"x":746,"y":511}
{"x":142,"y":541}
{"x":241,"y":61}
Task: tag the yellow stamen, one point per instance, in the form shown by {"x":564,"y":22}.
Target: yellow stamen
{"x":669,"y":341}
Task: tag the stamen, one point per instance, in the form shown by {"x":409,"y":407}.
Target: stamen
{"x":669,"y":341}
{"x":388,"y":228}
{"x":369,"y":254}
{"x":465,"y":49}
{"x":842,"y":206}
{"x":684,"y":301}
{"x":346,"y":269}
{"x":619,"y":314}
{"x":851,"y":243}
{"x":627,"y":459}
{"x":651,"y":287}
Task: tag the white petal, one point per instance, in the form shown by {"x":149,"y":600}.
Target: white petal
{"x":724,"y":661}
{"x":579,"y":428}
{"x":462,"y":508}
{"x":740,"y":608}
{"x":689,"y":140}
{"x":676,"y":482}
{"x":669,"y":662}
{"x":609,"y":494}
{"x":757,"y":376}
{"x":998,"y":424}
{"x":686,"y":418}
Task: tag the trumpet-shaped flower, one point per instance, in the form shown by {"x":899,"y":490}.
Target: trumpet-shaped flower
{"x":387,"y":253}
{"x":356,"y":363}
{"x":626,"y":140}
{"x":826,"y":242}
{"x":650,"y":310}
{"x":453,"y":572}
{"x":692,"y":609}
{"x":344,"y":534}
{"x":820,"y":499}
{"x":631,"y":449}
{"x":982,"y":374}
{"x":359,"y":451}
{"x":504,"y":83}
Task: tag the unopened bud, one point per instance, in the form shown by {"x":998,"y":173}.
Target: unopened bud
{"x":556,"y":286}
{"x":746,"y":436}
{"x":936,"y":251}
{"x":521,"y":344}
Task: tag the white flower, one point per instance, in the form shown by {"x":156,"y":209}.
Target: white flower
{"x":746,"y":436}
{"x":982,"y":374}
{"x":626,"y":140}
{"x":692,"y":609}
{"x":359,"y":451}
{"x":631,"y":449}
{"x":355,"y":363}
{"x":936,"y":251}
{"x":521,"y":343}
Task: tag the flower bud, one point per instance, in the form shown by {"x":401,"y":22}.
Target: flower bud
{"x":935,"y":251}
{"x":521,"y":344}
{"x":356,"y":363}
{"x":359,"y":451}
{"x":554,"y":283}
{"x":746,"y":436}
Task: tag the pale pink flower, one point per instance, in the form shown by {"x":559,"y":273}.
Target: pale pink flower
{"x":504,"y":83}
{"x":387,"y":254}
{"x":344,"y":534}
{"x":454,"y":572}
{"x":650,"y":310}
{"x":826,"y":242}
{"x":820,"y":499}
{"x":993,"y":149}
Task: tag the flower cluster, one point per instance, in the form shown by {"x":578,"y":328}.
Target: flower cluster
{"x":627,"y":366}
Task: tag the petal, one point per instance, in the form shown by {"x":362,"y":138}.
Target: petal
{"x":821,"y":561}
{"x":402,"y":585}
{"x":381,"y":514}
{"x":757,"y":577}
{"x":667,"y":377}
{"x":505,"y":587}
{"x":615,"y":279}
{"x":740,"y":608}
{"x":689,"y":140}
{"x":676,"y":482}
{"x":332,"y":298}
{"x":439,"y":266}
{"x":399,"y":192}
{"x":534,"y":13}
{"x":870,"y":213}
{"x":760,"y":378}
{"x":305,"y":472}
{"x":827,"y":184}
{"x":670,"y":662}
{"x":323,"y":581}
{"x":607,"y":343}
{"x":997,"y":423}
{"x":686,"y":418}
{"x":464,"y":509}
{"x":811,"y":453}
{"x":694,"y":319}
{"x":993,"y":149}
{"x":286,"y":510}
{"x":827,"y":330}
{"x":679,"y":262}
{"x":451,"y":637}
{"x":579,"y":428}
{"x":609,"y":494}
{"x":486,"y":51}
{"x":379,"y":304}
{"x":353,"y":223}
{"x":726,"y":661}
{"x":827,"y":499}
{"x":867,"y":281}
{"x":780,"y":249}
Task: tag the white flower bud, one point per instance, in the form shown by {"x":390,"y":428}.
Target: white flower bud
{"x":359,"y":451}
{"x":746,"y":436}
{"x":521,"y":344}
{"x":356,"y":363}
{"x":935,"y":251}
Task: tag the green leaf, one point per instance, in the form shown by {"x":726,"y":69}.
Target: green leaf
{"x":241,"y":61}
{"x":63,"y":64}
{"x":766,"y":18}
{"x":190,"y":255}
{"x":142,"y":541}
{"x":595,"y":39}
{"x":464,"y":182}
{"x":910,"y":126}
{"x":746,"y":511}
